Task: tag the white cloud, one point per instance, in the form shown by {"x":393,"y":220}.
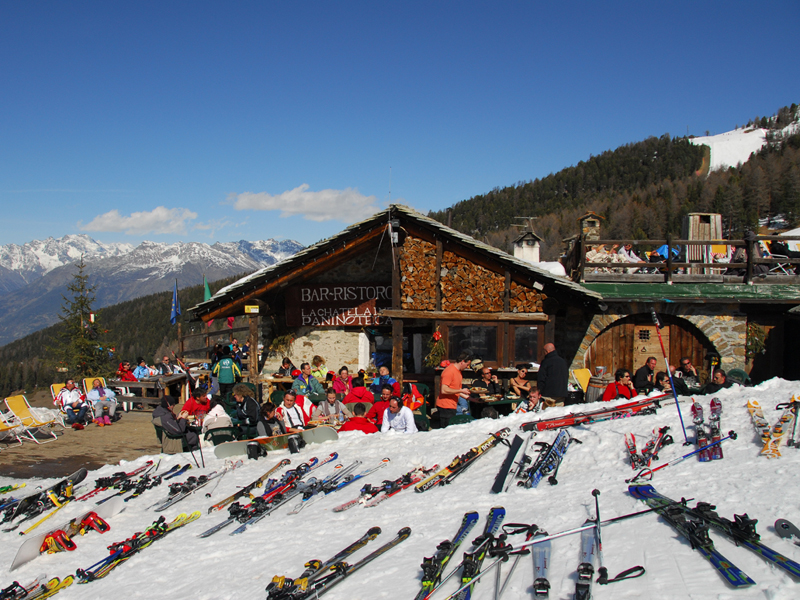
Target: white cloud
{"x":158,"y":220}
{"x":347,"y":205}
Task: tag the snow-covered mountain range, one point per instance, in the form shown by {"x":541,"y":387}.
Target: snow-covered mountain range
{"x":33,"y":276}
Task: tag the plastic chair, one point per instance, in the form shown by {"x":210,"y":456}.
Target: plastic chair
{"x":777,"y":268}
{"x":582,"y":377}
{"x":739,"y":376}
{"x":221,"y":435}
{"x":19,"y":407}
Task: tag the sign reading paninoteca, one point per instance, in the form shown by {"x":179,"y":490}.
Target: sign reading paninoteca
{"x":337,"y":305}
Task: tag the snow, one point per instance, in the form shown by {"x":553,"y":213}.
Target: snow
{"x":732,"y":147}
{"x":224,"y":566}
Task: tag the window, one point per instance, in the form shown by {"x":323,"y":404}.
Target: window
{"x":525,"y":344}
{"x":478,"y":340}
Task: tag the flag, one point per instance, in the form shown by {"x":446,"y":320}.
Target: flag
{"x":176,"y":305}
{"x":230,"y":322}
{"x":206,"y":296}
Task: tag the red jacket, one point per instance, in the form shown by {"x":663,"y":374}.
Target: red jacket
{"x":615,"y":390}
{"x":376,"y":412}
{"x":359,"y":394}
{"x":125,"y":374}
{"x":359,"y":424}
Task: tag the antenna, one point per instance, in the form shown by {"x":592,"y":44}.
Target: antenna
{"x":528,"y":223}
{"x":390,"y":185}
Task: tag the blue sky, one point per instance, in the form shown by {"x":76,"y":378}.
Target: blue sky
{"x":219,"y":121}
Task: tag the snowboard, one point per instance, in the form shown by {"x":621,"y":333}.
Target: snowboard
{"x":30,"y":549}
{"x":317,"y":435}
{"x":58,"y":489}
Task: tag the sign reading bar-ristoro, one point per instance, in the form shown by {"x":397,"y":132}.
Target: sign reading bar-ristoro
{"x":337,"y":305}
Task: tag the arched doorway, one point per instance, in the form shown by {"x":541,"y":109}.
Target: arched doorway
{"x":628,"y":342}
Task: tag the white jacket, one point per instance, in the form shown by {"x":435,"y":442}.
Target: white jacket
{"x":402,"y":422}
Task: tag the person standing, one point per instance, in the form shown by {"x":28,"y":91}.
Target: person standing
{"x":398,"y":418}
{"x":553,"y":377}
{"x":227,"y":373}
{"x":451,"y":389}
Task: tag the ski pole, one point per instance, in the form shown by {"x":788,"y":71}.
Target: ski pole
{"x":669,"y":374}
{"x":601,"y":570}
{"x":530,"y":530}
{"x":649,"y":472}
{"x":537,"y":540}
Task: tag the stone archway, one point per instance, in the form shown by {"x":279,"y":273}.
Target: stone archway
{"x":724,"y":326}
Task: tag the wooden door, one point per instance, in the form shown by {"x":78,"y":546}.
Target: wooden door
{"x":646,"y":344}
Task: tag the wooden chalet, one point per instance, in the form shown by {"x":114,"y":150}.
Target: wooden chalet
{"x":380,"y":288}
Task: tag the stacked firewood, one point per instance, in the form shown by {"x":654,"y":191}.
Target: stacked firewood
{"x":418,"y":275}
{"x":525,"y":299}
{"x":467,"y":287}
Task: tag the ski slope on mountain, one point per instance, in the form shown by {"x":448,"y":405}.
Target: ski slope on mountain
{"x":732,"y":148}
{"x":237,"y":567}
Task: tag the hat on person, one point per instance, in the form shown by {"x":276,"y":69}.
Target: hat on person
{"x":296,"y":373}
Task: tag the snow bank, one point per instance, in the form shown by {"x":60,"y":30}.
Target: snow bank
{"x":224,"y":566}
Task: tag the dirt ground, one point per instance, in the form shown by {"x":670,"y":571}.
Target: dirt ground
{"x":130,"y":437}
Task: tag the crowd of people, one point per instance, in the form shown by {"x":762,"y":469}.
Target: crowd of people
{"x":684,"y":378}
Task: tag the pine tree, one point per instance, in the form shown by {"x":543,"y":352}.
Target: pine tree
{"x":79,"y":346}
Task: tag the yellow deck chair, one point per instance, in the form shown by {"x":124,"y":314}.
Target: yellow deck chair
{"x":55,"y":388}
{"x":87,"y":383}
{"x":581,"y":377}
{"x":10,"y":428}
{"x":19,"y":407}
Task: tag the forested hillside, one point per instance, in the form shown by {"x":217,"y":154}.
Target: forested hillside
{"x":135,"y":328}
{"x":643,"y":190}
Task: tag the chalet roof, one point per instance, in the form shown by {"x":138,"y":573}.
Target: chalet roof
{"x":318,"y":251}
{"x":698,"y":292}
{"x":525,"y":234}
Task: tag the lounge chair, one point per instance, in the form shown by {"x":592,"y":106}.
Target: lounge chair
{"x":19,"y":407}
{"x":10,"y":427}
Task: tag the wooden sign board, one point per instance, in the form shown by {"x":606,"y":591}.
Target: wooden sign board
{"x":337,"y":305}
{"x":645,"y":344}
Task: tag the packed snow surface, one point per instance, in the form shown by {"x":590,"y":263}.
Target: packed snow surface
{"x":732,"y":147}
{"x":224,"y":566}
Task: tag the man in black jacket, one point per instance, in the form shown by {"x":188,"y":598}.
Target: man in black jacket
{"x":553,"y":377}
{"x":718,"y":381}
{"x":644,"y":379}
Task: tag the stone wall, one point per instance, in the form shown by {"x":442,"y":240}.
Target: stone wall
{"x":338,"y":348}
{"x":725,"y":326}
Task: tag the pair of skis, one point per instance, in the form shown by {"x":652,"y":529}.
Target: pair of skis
{"x":55,"y":497}
{"x":694,"y":524}
{"x":372,"y":495}
{"x":548,"y":462}
{"x":707,"y":433}
{"x":462,"y":463}
{"x":773,"y":437}
{"x":143,"y":482}
{"x":649,"y":453}
{"x":484,"y":545}
{"x":643,"y":406}
{"x":333,"y":484}
{"x":103,"y":483}
{"x":38,"y":589}
{"x":319,"y":577}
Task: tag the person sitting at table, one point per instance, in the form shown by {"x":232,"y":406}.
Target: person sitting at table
{"x":294,"y":417}
{"x":142,"y":371}
{"x":247,"y":409}
{"x":375,"y":413}
{"x":198,"y":404}
{"x":488,"y":382}
{"x":275,"y":425}
{"x":398,"y":418}
{"x":621,"y":388}
{"x":331,"y":409}
{"x":216,"y":416}
{"x":532,"y":403}
{"x":359,"y":422}
{"x":164,"y":417}
{"x":719,"y":381}
{"x":519,"y":385}
{"x":124,"y":372}
{"x":318,"y":368}
{"x":359,"y":393}
{"x":343,"y":384}
{"x":306,"y":384}
{"x":384,"y":377}
{"x":286,"y":368}
{"x":688,"y":373}
{"x":643,"y":378}
{"x":102,"y":398}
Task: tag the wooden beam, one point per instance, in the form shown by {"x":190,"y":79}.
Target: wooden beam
{"x":253,"y":354}
{"x":464,"y":316}
{"x":397,"y":350}
{"x":507,"y":293}
{"x":438,"y":278}
{"x":315,"y":267}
